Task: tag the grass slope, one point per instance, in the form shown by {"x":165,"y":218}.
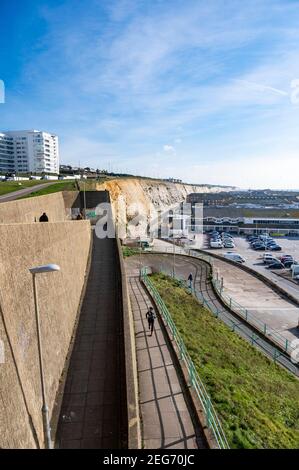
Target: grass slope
{"x":54,"y":188}
{"x":128,"y":251}
{"x":257,"y":401}
{"x":7,"y":187}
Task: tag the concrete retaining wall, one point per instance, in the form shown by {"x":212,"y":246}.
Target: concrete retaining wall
{"x":30,"y":209}
{"x":133,"y":416}
{"x":22,"y":246}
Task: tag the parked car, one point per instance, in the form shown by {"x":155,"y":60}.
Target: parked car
{"x":257,"y":243}
{"x":215,"y":239}
{"x":253,"y":240}
{"x":275,"y":248}
{"x":228,"y":244}
{"x":276,"y":265}
{"x":226,"y":235}
{"x":216,"y":244}
{"x":268,"y":258}
{"x":234,"y":257}
{"x":285,"y":258}
{"x":288,"y":263}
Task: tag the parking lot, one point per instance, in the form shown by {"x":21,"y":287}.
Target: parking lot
{"x":253,"y":259}
{"x":253,"y":294}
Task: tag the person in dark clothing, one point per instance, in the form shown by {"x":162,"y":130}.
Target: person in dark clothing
{"x":150,"y":315}
{"x":44,"y":218}
{"x":190,"y":279}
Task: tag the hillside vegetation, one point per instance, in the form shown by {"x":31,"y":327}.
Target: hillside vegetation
{"x":256,"y":400}
{"x":55,"y":188}
{"x":7,"y":187}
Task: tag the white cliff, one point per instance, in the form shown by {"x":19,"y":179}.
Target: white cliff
{"x":136,"y":201}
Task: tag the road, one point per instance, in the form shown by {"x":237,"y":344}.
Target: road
{"x":23,"y":192}
{"x":200,"y":271}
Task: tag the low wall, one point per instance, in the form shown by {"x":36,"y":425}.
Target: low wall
{"x":71,"y":199}
{"x":30,"y":209}
{"x":133,"y":416}
{"x":21,"y":247}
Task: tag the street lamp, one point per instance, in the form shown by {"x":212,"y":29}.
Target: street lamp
{"x":84,"y":194}
{"x":48,"y":268}
{"x":173,"y":268}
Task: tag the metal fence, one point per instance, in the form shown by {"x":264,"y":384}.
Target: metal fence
{"x":273,"y":335}
{"x":212,"y":419}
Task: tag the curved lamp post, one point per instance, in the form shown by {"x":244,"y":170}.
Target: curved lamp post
{"x":48,"y":268}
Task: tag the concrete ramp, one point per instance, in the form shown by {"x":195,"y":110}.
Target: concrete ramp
{"x":93,"y":413}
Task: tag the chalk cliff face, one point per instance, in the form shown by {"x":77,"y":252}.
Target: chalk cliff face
{"x":136,"y":201}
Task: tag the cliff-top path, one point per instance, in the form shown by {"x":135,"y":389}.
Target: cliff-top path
{"x":165,"y":414}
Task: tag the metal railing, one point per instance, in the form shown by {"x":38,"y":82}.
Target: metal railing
{"x":212,"y":419}
{"x":266,"y":330}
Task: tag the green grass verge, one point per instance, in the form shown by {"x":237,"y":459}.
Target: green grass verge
{"x":55,"y":188}
{"x":7,"y":187}
{"x":127,"y":251}
{"x":257,"y":401}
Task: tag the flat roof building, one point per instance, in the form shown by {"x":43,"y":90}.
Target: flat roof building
{"x":29,"y":151}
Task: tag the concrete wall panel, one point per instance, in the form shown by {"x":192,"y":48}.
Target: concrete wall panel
{"x":30,"y":209}
{"x":21,"y":247}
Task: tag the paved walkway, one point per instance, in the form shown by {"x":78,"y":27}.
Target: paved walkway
{"x":166,"y":419}
{"x":92,"y":407}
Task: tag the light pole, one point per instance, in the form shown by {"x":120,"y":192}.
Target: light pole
{"x":173,"y":269}
{"x":140,"y":248}
{"x":84,"y":193}
{"x":48,"y":268}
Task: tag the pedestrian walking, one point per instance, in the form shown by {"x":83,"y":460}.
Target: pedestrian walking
{"x":150,"y":315}
{"x":190,"y":279}
{"x":44,"y":218}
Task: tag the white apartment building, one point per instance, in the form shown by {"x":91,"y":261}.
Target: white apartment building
{"x":29,"y":152}
{"x":7,"y":154}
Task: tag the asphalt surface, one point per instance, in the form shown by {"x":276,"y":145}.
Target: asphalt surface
{"x":23,"y":192}
{"x":254,"y":261}
{"x":200,"y":271}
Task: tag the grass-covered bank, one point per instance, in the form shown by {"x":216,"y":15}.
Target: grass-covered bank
{"x":54,"y":188}
{"x":256,"y":400}
{"x":7,"y":187}
{"x":128,"y":251}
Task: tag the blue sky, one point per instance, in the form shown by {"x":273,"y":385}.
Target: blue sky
{"x":203,"y":91}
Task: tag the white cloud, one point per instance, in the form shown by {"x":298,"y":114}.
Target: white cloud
{"x":169,"y":149}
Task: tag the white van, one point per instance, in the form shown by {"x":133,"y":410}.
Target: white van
{"x":216,"y":244}
{"x":234,"y":257}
